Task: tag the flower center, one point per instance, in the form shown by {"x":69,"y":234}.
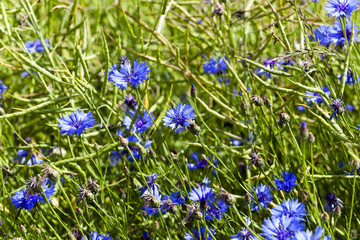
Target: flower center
{"x":283,"y":234}
{"x":77,"y":124}
{"x":342,"y":7}
{"x":139,"y":123}
{"x":261,"y":197}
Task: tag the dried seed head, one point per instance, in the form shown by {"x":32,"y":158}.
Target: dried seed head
{"x":49,"y":172}
{"x":92,"y":185}
{"x":303,"y":195}
{"x":255,"y":99}
{"x":256,"y":160}
{"x":267,"y":102}
{"x":355,"y":165}
{"x":228,"y":198}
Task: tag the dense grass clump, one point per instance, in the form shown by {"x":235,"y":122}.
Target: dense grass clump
{"x":179,"y":119}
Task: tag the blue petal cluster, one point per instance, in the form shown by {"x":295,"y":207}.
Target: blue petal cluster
{"x":99,"y":236}
{"x":288,"y":183}
{"x":337,"y":36}
{"x":36,"y":158}
{"x":141,"y":124}
{"x":213,"y":66}
{"x":308,"y":235}
{"x":3,"y":87}
{"x":263,"y":196}
{"x":290,"y":208}
{"x":76,"y":123}
{"x":244,"y":233}
{"x":349,"y":78}
{"x":36,"y":46}
{"x":341,"y":8}
{"x":283,"y":228}
{"x":203,"y":234}
{"x":179,"y":117}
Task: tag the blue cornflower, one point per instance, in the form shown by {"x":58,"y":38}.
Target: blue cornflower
{"x":121,"y":77}
{"x":155,"y":196}
{"x":114,"y":158}
{"x":36,"y":158}
{"x":200,"y":235}
{"x":29,"y":199}
{"x":200,"y":163}
{"x":341,"y":8}
{"x":244,"y":233}
{"x":177,"y":198}
{"x":283,"y":228}
{"x":3,"y":87}
{"x":151,"y":184}
{"x":99,"y":236}
{"x":336,"y":33}
{"x":315,"y":1}
{"x":332,"y":201}
{"x":235,"y":142}
{"x":350,"y":107}
{"x":349,"y":78}
{"x":337,"y":105}
{"x":283,"y":63}
{"x":300,"y":108}
{"x":290,"y":208}
{"x":289,"y":181}
{"x":36,"y":46}
{"x":179,"y":117}
{"x":308,"y":235}
{"x":322,"y":35}
{"x":316,"y":97}
{"x":201,"y":194}
{"x":76,"y":123}
{"x":213,"y":66}
{"x":141,"y":124}
{"x":269,"y":63}
{"x":215,"y":208}
{"x":263,"y":196}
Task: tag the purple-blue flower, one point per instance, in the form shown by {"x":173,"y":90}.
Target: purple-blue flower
{"x":150,"y":186}
{"x":203,"y":234}
{"x":20,"y":200}
{"x":288,"y":183}
{"x":3,"y":87}
{"x":215,"y":208}
{"x":263,"y":196}
{"x":76,"y":123}
{"x":337,"y":106}
{"x":316,"y":97}
{"x":99,"y":236}
{"x":308,"y":235}
{"x":336,"y":33}
{"x":290,"y":208}
{"x":201,"y":194}
{"x":349,"y":78}
{"x":200,"y":163}
{"x":36,"y":46}
{"x":269,"y":63}
{"x":126,"y":74}
{"x":332,"y":201}
{"x":283,"y":228}
{"x":179,"y":117}
{"x":130,"y":102}
{"x":141,"y":124}
{"x":322,"y":35}
{"x":341,"y":8}
{"x":36,"y":158}
{"x":244,"y":233}
{"x":213,"y":66}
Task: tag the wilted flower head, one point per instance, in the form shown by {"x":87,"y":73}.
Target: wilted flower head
{"x":341,"y":8}
{"x":288,"y":183}
{"x":126,"y":74}
{"x":255,"y":159}
{"x":76,"y":123}
{"x":179,"y":118}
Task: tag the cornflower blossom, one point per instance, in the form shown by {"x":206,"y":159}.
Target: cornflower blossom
{"x":263,"y":196}
{"x":337,"y":106}
{"x":200,"y":163}
{"x":316,"y":97}
{"x":203,"y":234}
{"x":283,"y":228}
{"x":288,"y":183}
{"x":350,"y":78}
{"x":151,"y":186}
{"x":76,"y":123}
{"x":213,"y":66}
{"x":322,"y":35}
{"x":341,"y":8}
{"x":179,"y":117}
{"x":332,"y":201}
{"x":290,"y":208}
{"x":308,"y":235}
{"x":126,"y":74}
{"x":29,"y":199}
{"x":36,"y":158}
{"x":201,"y":194}
{"x":141,"y":124}
{"x":244,"y":233}
{"x":283,"y":63}
{"x":269,"y":63}
{"x":215,"y":208}
{"x":3,"y":87}
{"x":36,"y":46}
{"x":99,"y":236}
{"x":336,"y":33}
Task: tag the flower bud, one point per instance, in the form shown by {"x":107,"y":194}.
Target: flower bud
{"x":193,"y":91}
{"x":152,"y":154}
{"x":96,"y":146}
{"x":243,"y":106}
{"x":255,"y":99}
{"x":123,"y":141}
{"x":22,"y":229}
{"x":267,"y":102}
{"x":126,"y":171}
{"x":311,"y":138}
{"x":198,"y":215}
{"x":304,"y":131}
{"x":156,"y":225}
{"x":37,"y":231}
{"x":194,"y":128}
{"x":324,"y":217}
{"x":355,"y":165}
{"x":283,"y":119}
{"x":337,"y":211}
{"x":79,"y":211}
{"x":303,"y":195}
{"x":247,"y":199}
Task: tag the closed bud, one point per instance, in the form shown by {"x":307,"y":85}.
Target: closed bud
{"x":311,"y":138}
{"x":123,"y":141}
{"x":202,"y":156}
{"x":198,"y":215}
{"x":152,"y":154}
{"x":173,"y":209}
{"x":37,"y":231}
{"x":126,"y":171}
{"x":284,"y":118}
{"x":194,"y":128}
{"x":303,"y":195}
{"x":255,"y":99}
{"x":156,"y":225}
{"x":79,"y":211}
{"x":267,"y":102}
{"x":355,"y":165}
{"x":324,"y":217}
{"x":219,"y":10}
{"x":22,"y":229}
{"x":96,"y":146}
{"x":247,"y":199}
{"x":193,"y":91}
{"x":304,"y":131}
{"x":243,"y":106}
{"x":337,"y":211}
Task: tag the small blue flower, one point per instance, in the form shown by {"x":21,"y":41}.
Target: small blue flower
{"x":3,"y":87}
{"x":200,"y":235}
{"x":350,"y":107}
{"x":308,"y":235}
{"x":349,"y":78}
{"x":36,"y":158}
{"x":200,"y":163}
{"x":316,"y":97}
{"x":76,"y":123}
{"x":177,"y":198}
{"x":141,"y":124}
{"x":332,"y":201}
{"x":269,"y":63}
{"x":36,"y":46}
{"x":20,"y":200}
{"x":151,"y":184}
{"x":283,"y":63}
{"x":283,"y":228}
{"x":290,"y":208}
{"x":337,"y":106}
{"x":341,"y":8}
{"x":263,"y":196}
{"x":288,"y":183}
{"x":121,"y":77}
{"x":212,"y":66}
{"x":201,"y":194}
{"x":336,"y":33}
{"x":322,"y":35}
{"x":244,"y":233}
{"x":179,"y":118}
{"x":215,"y":208}
{"x":99,"y":236}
